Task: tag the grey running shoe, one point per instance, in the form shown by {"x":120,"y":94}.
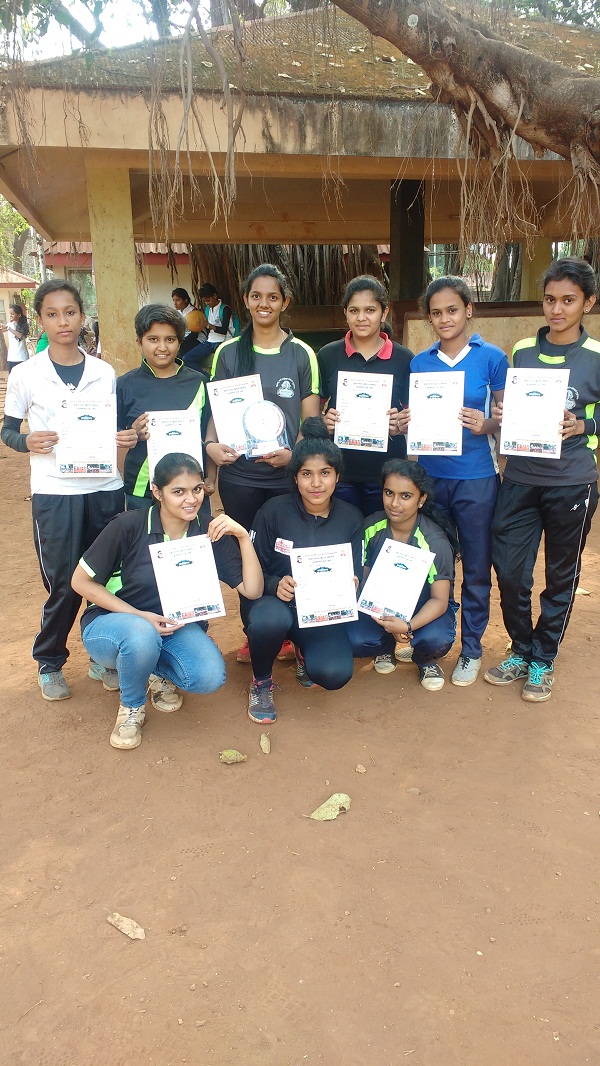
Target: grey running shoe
{"x":538,"y":687}
{"x":384,"y":664}
{"x":512,"y":669}
{"x":466,"y":671}
{"x":164,"y":695}
{"x":403,"y":653}
{"x":53,"y":686}
{"x":261,"y":706}
{"x":127,"y":732}
{"x":108,"y":677}
{"x":431,"y":677}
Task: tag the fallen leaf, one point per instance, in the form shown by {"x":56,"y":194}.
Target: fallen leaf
{"x":127,"y":926}
{"x":336,"y":804}
{"x":265,"y":743}
{"x":285,"y":76}
{"x":230,"y":755}
{"x":582,"y":592}
{"x":360,"y":769}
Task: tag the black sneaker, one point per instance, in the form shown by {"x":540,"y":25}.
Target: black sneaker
{"x":261,"y":706}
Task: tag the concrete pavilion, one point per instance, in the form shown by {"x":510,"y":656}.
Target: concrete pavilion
{"x":341,"y":144}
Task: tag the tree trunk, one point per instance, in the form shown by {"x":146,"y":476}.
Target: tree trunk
{"x":499,"y":89}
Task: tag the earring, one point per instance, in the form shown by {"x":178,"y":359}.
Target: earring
{"x":586,"y":310}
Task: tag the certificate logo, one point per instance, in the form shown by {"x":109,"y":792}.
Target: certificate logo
{"x":184,"y":562}
{"x":285,"y":387}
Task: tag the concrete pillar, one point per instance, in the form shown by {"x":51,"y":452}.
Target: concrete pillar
{"x":533,"y":270}
{"x":113,"y":250}
{"x":407,"y":240}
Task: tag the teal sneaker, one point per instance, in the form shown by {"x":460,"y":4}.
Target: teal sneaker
{"x":261,"y":705}
{"x":538,"y":687}
{"x":512,"y":669}
{"x":53,"y":686}
{"x":109,"y":678}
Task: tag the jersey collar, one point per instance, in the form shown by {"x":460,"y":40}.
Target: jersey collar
{"x":383,"y":353}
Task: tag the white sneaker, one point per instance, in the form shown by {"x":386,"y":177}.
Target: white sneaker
{"x":466,"y":670}
{"x":431,"y":677}
{"x":384,"y":664}
{"x":164,"y":695}
{"x":403,"y":653}
{"x":127,"y":732}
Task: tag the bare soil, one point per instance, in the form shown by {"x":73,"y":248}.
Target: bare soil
{"x":450,"y":918}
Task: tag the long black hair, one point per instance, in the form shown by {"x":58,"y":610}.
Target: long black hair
{"x":172,"y":465}
{"x":421,"y":480}
{"x":315,"y":441}
{"x":572,"y":269}
{"x":21,"y":325}
{"x":245,"y":361}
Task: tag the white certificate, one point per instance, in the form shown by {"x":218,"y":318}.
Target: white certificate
{"x":173,"y":431}
{"x":325,"y":592}
{"x":533,"y":407}
{"x":362,"y":402}
{"x":187,"y":579}
{"x":435,"y":401}
{"x":87,"y":432}
{"x":229,"y":401}
{"x":396,"y":581}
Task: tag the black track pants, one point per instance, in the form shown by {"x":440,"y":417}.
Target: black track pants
{"x":63,"y":528}
{"x":523,"y":512}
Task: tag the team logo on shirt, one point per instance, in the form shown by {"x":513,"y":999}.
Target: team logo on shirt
{"x":572,"y":398}
{"x":285,"y":387}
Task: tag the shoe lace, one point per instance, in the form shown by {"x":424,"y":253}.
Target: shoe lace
{"x":463,"y":662}
{"x":133,"y":717}
{"x":537,"y":672}
{"x":261,"y":693}
{"x":431,"y":670}
{"x":513,"y":660}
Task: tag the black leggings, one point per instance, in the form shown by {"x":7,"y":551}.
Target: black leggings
{"x":326,"y":649}
{"x":241,"y":502}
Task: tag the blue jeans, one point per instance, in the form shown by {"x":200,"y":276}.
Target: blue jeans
{"x":188,"y":657}
{"x":470,"y":507}
{"x":326,"y":649}
{"x":429,"y":643}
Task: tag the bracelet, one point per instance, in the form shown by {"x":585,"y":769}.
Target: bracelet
{"x":207,"y":442}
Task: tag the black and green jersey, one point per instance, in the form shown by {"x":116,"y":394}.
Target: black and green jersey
{"x":139,"y":391}
{"x":288,"y":375}
{"x":577,"y":464}
{"x":426,"y":535}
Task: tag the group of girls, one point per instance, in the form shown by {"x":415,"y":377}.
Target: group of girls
{"x":310,"y":494}
{"x":16,"y":330}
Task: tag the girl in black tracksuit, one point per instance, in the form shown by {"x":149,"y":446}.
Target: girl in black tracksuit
{"x":557,"y":497}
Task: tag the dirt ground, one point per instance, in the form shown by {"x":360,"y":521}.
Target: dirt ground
{"x":450,"y":918}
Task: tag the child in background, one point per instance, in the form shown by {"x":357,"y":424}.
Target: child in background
{"x":16,"y":330}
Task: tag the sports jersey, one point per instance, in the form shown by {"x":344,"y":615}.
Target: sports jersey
{"x":426,"y":535}
{"x":485,"y":367}
{"x":284,"y":523}
{"x":139,"y":391}
{"x":365,"y":466}
{"x":577,"y":464}
{"x":120,"y":560}
{"x":35,"y":391}
{"x":288,"y":375}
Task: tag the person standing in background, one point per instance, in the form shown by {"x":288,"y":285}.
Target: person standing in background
{"x":17,"y":330}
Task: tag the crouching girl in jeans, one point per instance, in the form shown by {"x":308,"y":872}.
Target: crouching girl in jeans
{"x":126,"y":629}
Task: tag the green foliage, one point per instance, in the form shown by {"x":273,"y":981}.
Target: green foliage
{"x":575,"y":12}
{"x":11,"y":224}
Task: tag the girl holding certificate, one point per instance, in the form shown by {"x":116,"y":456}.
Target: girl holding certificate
{"x":68,"y":510}
{"x":126,"y":629}
{"x":310,"y":517}
{"x":366,"y":350}
{"x":556,"y":497}
{"x":289,"y":377}
{"x":409,"y":516}
{"x":466,"y":485}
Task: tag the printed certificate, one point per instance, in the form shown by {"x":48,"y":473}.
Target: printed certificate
{"x":326,"y":592}
{"x":395,"y":583}
{"x":362,"y":402}
{"x":87,"y":431}
{"x":229,"y":401}
{"x":173,"y":431}
{"x":534,"y":404}
{"x":187,"y":579}
{"x":435,"y":401}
